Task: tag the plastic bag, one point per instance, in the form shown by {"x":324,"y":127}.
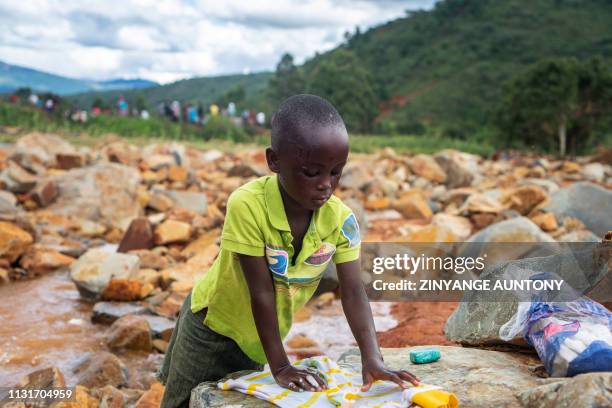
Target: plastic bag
{"x":570,"y":337}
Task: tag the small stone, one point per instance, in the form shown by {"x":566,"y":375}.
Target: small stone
{"x":38,"y":259}
{"x":413,"y":206}
{"x":152,"y":398}
{"x":546,"y":221}
{"x":139,"y":235}
{"x":81,"y":399}
{"x":171,"y":306}
{"x":16,"y":179}
{"x":482,"y":220}
{"x":45,"y":193}
{"x":377,"y":204}
{"x":161,"y":327}
{"x":125,"y":290}
{"x":426,"y":167}
{"x":13,"y":241}
{"x":150,"y":259}
{"x":570,"y":167}
{"x":8,"y":203}
{"x":96,"y":370}
{"x":50,"y":377}
{"x":160,"y":345}
{"x":301,"y":341}
{"x":4,"y":276}
{"x":172,"y":231}
{"x":480,"y":203}
{"x":461,"y":227}
{"x":160,"y":202}
{"x":201,"y":243}
{"x":93,"y":271}
{"x":110,"y":397}
{"x":524,"y":199}
{"x":67,"y":161}
{"x":594,"y":172}
{"x":108,"y":312}
{"x":177,"y":173}
{"x":130,"y":332}
{"x":91,"y":229}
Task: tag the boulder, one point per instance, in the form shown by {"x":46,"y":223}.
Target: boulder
{"x":588,"y":202}
{"x":592,"y":390}
{"x":129,"y":332}
{"x":93,"y":193}
{"x":160,"y":202}
{"x":13,"y":241}
{"x":480,"y":314}
{"x":108,"y":312}
{"x":426,"y":167}
{"x":519,"y":230}
{"x":93,"y":271}
{"x":461,"y":168}
{"x":95,"y":370}
{"x":67,"y":161}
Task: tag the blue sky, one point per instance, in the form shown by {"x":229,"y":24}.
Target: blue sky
{"x":167,"y":40}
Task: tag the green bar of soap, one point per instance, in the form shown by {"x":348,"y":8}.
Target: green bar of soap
{"x":424,"y":356}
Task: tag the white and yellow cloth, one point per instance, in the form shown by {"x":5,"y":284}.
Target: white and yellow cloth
{"x":343,"y":389}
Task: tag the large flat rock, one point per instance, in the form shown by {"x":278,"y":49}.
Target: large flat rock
{"x":479,"y":378}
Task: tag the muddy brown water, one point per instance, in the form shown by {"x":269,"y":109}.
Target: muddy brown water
{"x":44,"y":322}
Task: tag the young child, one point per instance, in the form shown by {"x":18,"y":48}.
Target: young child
{"x":280,"y":233}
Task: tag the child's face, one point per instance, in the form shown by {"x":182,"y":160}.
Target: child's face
{"x":309,"y":170}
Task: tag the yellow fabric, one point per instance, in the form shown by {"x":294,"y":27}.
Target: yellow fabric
{"x":256,"y":225}
{"x":343,"y":389}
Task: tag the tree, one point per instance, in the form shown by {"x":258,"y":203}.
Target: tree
{"x":554,"y":97}
{"x":342,"y":80}
{"x":288,"y":80}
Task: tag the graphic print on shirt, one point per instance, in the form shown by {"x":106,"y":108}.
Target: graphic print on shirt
{"x":278,"y":261}
{"x":322,"y":256}
{"x":350,"y":230}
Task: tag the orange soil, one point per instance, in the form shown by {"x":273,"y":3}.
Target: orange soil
{"x":419,"y":323}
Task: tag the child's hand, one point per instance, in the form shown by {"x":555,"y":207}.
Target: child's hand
{"x":299,"y":379}
{"x":376,"y":370}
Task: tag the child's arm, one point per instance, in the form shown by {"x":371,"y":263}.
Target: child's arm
{"x":263,"y":305}
{"x":359,"y":316}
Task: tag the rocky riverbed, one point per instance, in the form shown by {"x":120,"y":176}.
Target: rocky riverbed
{"x":99,"y":246}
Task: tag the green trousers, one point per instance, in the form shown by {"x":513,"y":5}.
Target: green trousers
{"x":197,"y":354}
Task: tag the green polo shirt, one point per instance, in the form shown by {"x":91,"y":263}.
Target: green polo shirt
{"x":256,"y":225}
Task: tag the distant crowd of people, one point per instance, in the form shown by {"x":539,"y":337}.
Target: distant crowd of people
{"x":196,"y":114}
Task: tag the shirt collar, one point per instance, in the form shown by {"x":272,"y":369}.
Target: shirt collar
{"x":325,"y":218}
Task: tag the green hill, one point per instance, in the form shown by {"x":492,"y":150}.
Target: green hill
{"x":446,"y":67}
{"x":13,"y":77}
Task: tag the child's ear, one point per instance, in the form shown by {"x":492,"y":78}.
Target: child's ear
{"x":272,"y":159}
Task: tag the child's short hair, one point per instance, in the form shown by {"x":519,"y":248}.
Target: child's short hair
{"x":299,"y":111}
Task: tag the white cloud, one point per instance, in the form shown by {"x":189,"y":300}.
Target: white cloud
{"x":173,"y":39}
